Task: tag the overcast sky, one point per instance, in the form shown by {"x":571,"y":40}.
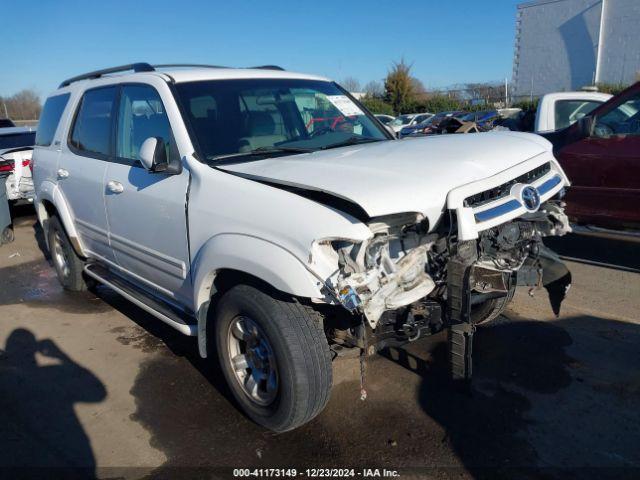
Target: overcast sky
{"x":45,"y":41}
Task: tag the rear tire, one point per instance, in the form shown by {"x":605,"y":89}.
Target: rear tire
{"x":491,"y":309}
{"x":69,"y":266}
{"x":281,"y":372}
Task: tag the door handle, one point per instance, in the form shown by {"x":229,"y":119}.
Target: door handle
{"x":62,"y":173}
{"x":115,"y":187}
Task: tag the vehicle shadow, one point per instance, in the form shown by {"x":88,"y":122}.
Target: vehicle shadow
{"x":40,"y":434}
{"x":524,"y":417}
{"x":611,"y":250}
{"x":524,"y":414}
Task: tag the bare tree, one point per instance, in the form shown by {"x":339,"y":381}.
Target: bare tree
{"x":374,"y":89}
{"x":351,"y":84}
{"x":419,"y":90}
{"x":24,"y":105}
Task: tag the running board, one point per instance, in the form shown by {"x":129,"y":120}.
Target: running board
{"x":155,"y":307}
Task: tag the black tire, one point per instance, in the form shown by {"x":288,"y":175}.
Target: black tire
{"x":72,"y":278}
{"x":7,"y":236}
{"x":491,"y":309}
{"x":297,"y":340}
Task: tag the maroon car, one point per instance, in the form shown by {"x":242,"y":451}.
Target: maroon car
{"x":601,"y":155}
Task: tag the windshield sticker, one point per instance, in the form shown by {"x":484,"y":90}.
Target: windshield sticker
{"x":345,"y":105}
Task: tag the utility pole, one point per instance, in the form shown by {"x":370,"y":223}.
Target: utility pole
{"x":4,"y":104}
{"x":506,"y":93}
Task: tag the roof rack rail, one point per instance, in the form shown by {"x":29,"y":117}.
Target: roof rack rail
{"x":193,"y":65}
{"x":268,"y":67}
{"x":136,"y":67}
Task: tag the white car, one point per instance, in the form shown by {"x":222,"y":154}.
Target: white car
{"x":268,"y":214}
{"x":16,"y":148}
{"x":385,"y":119}
{"x":409,"y":119}
{"x":559,"y":110}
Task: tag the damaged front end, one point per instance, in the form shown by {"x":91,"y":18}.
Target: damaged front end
{"x":408,"y":280}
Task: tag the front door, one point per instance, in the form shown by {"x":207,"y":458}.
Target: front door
{"x":147,"y":211}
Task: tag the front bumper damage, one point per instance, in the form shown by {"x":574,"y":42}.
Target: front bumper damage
{"x":409,"y":280}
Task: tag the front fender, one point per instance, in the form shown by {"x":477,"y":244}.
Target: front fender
{"x":49,"y":191}
{"x":257,"y":257}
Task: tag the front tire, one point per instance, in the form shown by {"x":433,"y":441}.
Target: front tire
{"x":491,"y":309}
{"x":274,"y":356}
{"x":69,"y":266}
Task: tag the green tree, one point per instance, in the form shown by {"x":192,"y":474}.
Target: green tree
{"x":377,"y":105}
{"x":399,"y":87}
{"x":612,"y":88}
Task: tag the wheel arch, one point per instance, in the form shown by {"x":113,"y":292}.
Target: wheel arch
{"x":51,"y":201}
{"x":231,"y":259}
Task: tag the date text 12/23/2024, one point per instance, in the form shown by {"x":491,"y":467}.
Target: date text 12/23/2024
{"x":315,"y":473}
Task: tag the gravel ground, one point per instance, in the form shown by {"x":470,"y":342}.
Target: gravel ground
{"x":92,"y":384}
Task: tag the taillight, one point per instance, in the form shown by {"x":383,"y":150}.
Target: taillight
{"x":6,"y":166}
{"x":26,"y":163}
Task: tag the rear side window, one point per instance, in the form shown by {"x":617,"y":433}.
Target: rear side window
{"x":50,"y":118}
{"x":91,"y":131}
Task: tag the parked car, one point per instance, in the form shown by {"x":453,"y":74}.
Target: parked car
{"x":601,"y":153}
{"x":200,"y":195}
{"x":16,"y":148}
{"x":408,"y":120}
{"x":385,"y":119}
{"x":483,"y":119}
{"x":6,"y":224}
{"x":6,"y":123}
{"x":428,"y":126}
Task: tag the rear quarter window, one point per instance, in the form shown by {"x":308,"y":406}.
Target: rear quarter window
{"x":50,"y":118}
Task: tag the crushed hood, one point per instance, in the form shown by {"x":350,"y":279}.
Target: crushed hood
{"x":410,"y":175}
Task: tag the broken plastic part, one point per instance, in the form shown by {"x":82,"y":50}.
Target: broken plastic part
{"x":556,"y":277}
{"x":349,"y":298}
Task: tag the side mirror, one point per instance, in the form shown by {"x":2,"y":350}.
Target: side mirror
{"x":585,"y":126}
{"x":153,"y":156}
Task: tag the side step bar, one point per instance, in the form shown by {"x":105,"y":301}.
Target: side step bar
{"x":143,"y":300}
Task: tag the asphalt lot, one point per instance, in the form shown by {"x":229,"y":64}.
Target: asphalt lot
{"x":92,"y":381}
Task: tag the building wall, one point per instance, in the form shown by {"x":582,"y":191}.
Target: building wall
{"x":556,"y":45}
{"x":620,"y":52}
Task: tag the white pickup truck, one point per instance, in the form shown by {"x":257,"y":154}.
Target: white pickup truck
{"x":559,"y":110}
{"x":270,"y":215}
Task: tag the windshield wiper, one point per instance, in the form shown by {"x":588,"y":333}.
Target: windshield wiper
{"x":352,"y":141}
{"x":256,"y":152}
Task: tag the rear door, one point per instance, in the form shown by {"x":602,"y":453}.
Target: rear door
{"x":147,"y":211}
{"x":48,"y":139}
{"x":82,"y":166}
{"x":605,"y":168}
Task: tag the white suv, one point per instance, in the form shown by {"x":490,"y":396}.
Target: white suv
{"x":269,"y":214}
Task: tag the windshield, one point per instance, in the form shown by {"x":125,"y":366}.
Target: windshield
{"x":14,"y":140}
{"x":253,"y":117}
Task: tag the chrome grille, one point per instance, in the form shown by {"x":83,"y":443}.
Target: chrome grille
{"x":501,"y":191}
